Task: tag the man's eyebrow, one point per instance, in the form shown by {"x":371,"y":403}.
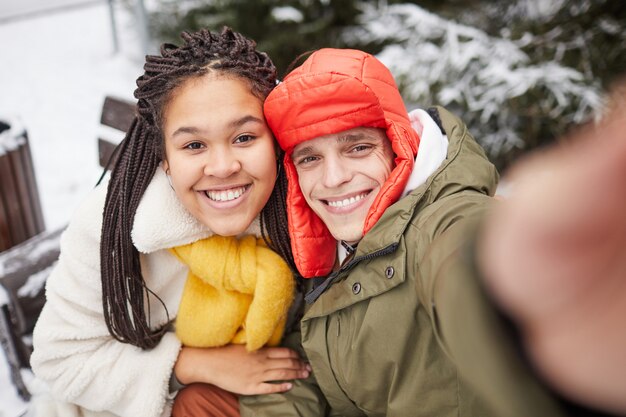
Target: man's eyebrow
{"x":352,"y":137}
{"x":301,"y":152}
{"x":342,"y":138}
{"x":192,"y":130}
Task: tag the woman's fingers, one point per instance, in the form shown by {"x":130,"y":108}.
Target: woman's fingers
{"x":282,"y":374}
{"x":266,"y":388}
{"x":235,"y":369}
{"x":279,"y":353}
{"x":294,"y":364}
{"x":287,"y":359}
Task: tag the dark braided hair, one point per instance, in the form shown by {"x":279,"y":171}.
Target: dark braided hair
{"x":124,"y":290}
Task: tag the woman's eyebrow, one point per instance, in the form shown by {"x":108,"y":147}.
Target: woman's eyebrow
{"x":243,"y":120}
{"x":185,"y":129}
{"x":192,"y":130}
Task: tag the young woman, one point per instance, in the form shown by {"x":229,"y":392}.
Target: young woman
{"x":198,"y":160}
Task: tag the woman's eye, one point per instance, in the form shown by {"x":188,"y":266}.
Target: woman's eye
{"x":194,"y":146}
{"x":244,"y":138}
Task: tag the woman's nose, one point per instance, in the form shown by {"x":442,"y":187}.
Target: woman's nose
{"x":222,"y":164}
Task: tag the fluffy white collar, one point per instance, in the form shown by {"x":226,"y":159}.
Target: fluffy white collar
{"x":162,"y":222}
{"x":432,"y":150}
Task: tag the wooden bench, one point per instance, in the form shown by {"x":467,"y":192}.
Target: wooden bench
{"x":117,"y":114}
{"x":24,"y":268}
{"x":20,"y":210}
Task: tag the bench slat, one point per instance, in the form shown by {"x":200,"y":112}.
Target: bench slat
{"x":24,"y":177}
{"x":117,"y":113}
{"x":11,"y":205}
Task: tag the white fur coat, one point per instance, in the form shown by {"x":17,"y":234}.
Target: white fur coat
{"x":86,"y":372}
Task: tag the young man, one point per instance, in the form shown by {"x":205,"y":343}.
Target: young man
{"x":384,"y":208}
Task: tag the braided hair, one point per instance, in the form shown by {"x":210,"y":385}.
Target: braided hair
{"x":124,"y":290}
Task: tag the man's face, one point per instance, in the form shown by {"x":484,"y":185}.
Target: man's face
{"x":340,"y":176}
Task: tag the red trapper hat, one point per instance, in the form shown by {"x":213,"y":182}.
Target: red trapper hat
{"x":332,"y":91}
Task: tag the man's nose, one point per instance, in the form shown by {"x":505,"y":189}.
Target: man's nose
{"x":336,"y":172}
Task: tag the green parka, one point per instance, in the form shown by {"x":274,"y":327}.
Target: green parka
{"x":404,"y":320}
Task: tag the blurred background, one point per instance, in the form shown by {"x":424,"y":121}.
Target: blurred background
{"x":520,"y":73}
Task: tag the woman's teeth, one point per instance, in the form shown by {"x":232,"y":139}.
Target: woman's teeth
{"x":226,"y":195}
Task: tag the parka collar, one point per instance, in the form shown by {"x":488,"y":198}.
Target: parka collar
{"x":466,"y":167}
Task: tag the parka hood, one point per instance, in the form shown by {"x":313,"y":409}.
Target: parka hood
{"x":332,"y":91}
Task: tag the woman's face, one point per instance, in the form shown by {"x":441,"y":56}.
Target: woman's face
{"x":219,"y":152}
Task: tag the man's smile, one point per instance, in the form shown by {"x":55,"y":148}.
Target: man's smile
{"x":347,"y":201}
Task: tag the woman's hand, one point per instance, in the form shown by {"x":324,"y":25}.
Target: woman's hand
{"x":235,"y":369}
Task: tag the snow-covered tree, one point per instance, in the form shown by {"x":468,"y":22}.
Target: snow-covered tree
{"x":508,"y":101}
{"x":282,"y":28}
{"x":519,"y":72}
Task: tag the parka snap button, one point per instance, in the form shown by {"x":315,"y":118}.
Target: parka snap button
{"x":389,"y":272}
{"x":356,"y":288}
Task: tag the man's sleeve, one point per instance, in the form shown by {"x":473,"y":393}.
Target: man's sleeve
{"x":304,"y":399}
{"x":478,"y":338}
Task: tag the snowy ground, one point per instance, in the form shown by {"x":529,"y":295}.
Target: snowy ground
{"x":56,"y":68}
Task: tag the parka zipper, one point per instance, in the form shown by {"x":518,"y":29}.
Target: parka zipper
{"x":316,"y":292}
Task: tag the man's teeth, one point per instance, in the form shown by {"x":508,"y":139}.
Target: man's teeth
{"x":226,"y":195}
{"x":347,"y":201}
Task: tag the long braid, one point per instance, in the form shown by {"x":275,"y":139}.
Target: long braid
{"x":122,"y":282}
{"x":124,"y":290}
{"x":274,"y":226}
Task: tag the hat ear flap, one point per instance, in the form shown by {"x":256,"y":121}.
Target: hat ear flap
{"x":404,"y":144}
{"x":313,"y":247}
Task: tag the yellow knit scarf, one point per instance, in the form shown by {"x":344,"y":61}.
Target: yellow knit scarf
{"x":237,"y":291}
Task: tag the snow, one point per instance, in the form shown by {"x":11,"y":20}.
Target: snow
{"x":286,"y":14}
{"x":435,"y":60}
{"x":13,"y":137}
{"x":35,"y":282}
{"x":57,"y":67}
{"x":56,"y":70}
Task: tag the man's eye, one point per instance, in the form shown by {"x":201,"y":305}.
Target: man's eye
{"x":307,"y":160}
{"x":361,"y":148}
{"x":244,"y":139}
{"x":194,"y":146}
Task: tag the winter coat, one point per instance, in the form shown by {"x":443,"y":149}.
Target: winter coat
{"x":401,"y":326}
{"x":373,"y":337}
{"x":405,"y":327}
{"x":87,"y":371}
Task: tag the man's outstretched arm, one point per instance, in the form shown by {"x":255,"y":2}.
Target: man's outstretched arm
{"x":553,"y":256}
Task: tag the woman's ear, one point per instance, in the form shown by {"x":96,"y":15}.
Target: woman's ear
{"x":166,"y":166}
